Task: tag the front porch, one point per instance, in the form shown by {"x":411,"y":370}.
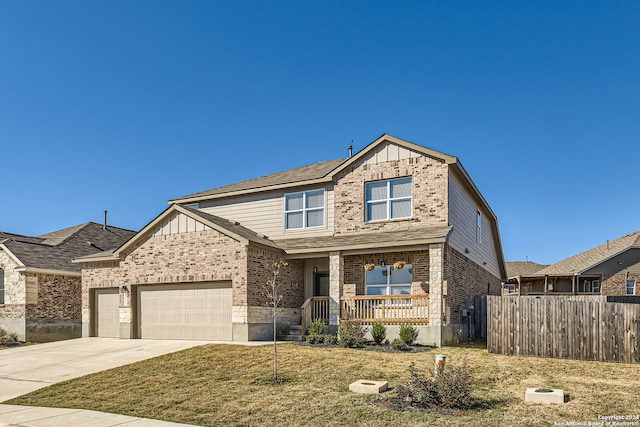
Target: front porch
{"x":369,"y":309}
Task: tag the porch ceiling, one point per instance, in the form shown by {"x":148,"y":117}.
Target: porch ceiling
{"x":400,"y":239}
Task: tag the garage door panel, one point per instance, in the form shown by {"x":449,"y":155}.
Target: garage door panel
{"x":107,"y":313}
{"x":187,"y":311}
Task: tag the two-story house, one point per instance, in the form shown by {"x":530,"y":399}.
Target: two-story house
{"x":397,"y":233}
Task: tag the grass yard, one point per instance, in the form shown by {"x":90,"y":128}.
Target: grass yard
{"x":225,"y":385}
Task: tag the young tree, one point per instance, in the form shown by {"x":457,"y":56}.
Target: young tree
{"x":274,"y":298}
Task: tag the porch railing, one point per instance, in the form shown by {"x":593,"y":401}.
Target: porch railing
{"x":386,"y":309}
{"x":314,"y":308}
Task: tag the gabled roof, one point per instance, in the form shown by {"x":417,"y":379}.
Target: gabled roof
{"x":523,"y":268}
{"x":587,"y":260}
{"x":54,"y":251}
{"x":229,"y":228}
{"x":310,"y":174}
{"x":325,"y":172}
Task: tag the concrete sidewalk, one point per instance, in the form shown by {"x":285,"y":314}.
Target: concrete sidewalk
{"x":33,"y":416}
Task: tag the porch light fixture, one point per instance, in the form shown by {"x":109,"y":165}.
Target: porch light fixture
{"x":382,"y":263}
{"x":315,"y":270}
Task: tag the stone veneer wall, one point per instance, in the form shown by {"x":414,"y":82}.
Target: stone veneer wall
{"x":354,"y":268}
{"x":616,"y":284}
{"x":465,"y":279}
{"x":430,"y":189}
{"x":14,"y":283}
{"x":58,"y":297}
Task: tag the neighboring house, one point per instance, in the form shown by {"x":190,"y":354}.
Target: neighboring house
{"x":612,"y":268}
{"x":40,"y":289}
{"x":397,"y":233}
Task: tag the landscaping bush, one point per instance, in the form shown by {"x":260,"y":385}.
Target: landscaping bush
{"x":330,"y":339}
{"x":378,"y":332}
{"x":451,"y":389}
{"x":7,"y":338}
{"x":316,"y":327}
{"x":351,"y":333}
{"x":408,"y":334}
{"x":398,"y":344}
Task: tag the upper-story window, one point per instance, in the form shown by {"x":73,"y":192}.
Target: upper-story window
{"x":478,"y":227}
{"x":1,"y":286}
{"x":304,"y":209}
{"x":389,"y":199}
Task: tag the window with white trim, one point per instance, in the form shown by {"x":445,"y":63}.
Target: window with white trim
{"x":304,"y":210}
{"x":389,"y":199}
{"x":1,"y":286}
{"x":478,"y":227}
{"x":389,"y":281}
{"x":631,"y":287}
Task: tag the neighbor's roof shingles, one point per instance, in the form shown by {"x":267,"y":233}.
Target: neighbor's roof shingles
{"x":592,"y":257}
{"x":54,"y":251}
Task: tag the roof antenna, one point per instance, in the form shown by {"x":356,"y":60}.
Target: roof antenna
{"x":104,"y":226}
{"x":350,"y":147}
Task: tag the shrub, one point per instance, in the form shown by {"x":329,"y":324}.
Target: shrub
{"x":313,"y":339}
{"x":330,"y":339}
{"x":378,"y":332}
{"x":398,"y":344}
{"x":451,"y":389}
{"x":8,"y":338}
{"x":351,"y":333}
{"x":316,"y":327}
{"x":408,"y":334}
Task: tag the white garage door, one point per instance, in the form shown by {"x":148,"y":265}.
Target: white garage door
{"x":187,"y":311}
{"x":107,"y":313}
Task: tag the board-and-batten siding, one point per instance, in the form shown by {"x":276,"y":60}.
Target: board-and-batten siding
{"x":179,"y":223}
{"x":462,"y":215}
{"x":264,"y":213}
{"x":390,"y":152}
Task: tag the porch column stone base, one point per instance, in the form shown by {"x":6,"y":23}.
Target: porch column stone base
{"x":436,"y":283}
{"x":336,"y":282}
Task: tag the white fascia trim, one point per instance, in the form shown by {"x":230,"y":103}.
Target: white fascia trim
{"x":49,"y":271}
{"x":11,"y":255}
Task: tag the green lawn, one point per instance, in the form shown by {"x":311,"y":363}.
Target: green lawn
{"x":224,"y":385}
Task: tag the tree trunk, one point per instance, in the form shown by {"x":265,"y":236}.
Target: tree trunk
{"x":275,"y":352}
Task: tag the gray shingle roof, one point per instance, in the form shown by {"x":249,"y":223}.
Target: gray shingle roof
{"x":54,"y":251}
{"x":304,"y":173}
{"x":523,"y":268}
{"x":592,"y":257}
{"x":394,"y":238}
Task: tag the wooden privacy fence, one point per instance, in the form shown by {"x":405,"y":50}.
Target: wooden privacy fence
{"x":583,"y":328}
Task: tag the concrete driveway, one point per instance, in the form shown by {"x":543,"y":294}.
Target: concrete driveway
{"x":25,"y":369}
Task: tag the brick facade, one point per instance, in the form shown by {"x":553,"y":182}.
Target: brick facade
{"x":58,"y":297}
{"x":355,"y":273}
{"x":616,"y":284}
{"x":430,"y":192}
{"x":466,"y":279}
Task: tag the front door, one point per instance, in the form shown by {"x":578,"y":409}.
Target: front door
{"x":321,"y":284}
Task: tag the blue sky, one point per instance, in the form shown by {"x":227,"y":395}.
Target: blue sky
{"x":123,"y":105}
